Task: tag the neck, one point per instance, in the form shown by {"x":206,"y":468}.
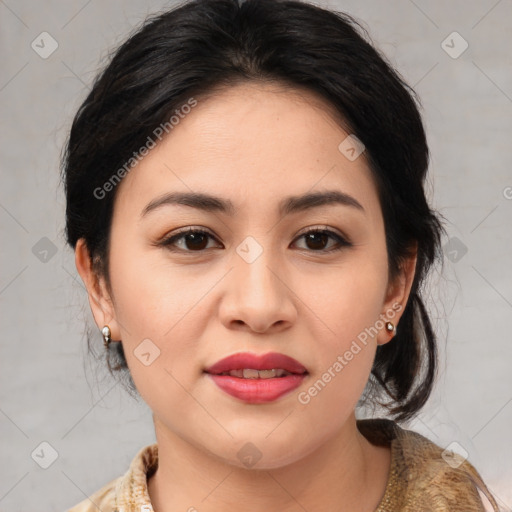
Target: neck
{"x":344,"y":473}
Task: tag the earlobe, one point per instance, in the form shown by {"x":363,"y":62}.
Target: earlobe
{"x":397,"y":297}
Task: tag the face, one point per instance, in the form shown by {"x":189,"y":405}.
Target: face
{"x":252,"y":279}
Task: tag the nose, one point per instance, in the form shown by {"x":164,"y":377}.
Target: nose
{"x":257,"y":297}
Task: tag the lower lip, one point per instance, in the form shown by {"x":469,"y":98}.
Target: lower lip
{"x":257,"y":391}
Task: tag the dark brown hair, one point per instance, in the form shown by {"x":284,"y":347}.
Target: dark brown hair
{"x":203,"y":45}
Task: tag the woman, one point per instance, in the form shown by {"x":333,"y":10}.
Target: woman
{"x":245,"y":200}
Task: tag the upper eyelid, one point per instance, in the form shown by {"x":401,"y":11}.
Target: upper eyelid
{"x":320,"y":227}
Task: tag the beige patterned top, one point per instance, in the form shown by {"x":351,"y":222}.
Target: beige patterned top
{"x":422,"y":477}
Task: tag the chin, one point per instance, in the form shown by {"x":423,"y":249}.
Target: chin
{"x":264,"y":454}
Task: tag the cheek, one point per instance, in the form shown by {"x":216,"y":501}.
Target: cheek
{"x":347,"y":299}
{"x":153,"y":296}
{"x":161,"y":312}
{"x":346,"y":314}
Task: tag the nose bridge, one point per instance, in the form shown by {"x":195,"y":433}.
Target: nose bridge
{"x":257,"y":296}
{"x":255,"y":269}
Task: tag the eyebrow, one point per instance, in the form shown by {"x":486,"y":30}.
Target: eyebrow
{"x":288,"y":205}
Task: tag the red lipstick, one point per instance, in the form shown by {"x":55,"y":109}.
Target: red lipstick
{"x":257,"y":378}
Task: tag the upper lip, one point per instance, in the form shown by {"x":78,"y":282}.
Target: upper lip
{"x":246,"y":360}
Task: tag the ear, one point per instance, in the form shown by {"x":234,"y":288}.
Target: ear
{"x":397,"y":295}
{"x":99,"y":299}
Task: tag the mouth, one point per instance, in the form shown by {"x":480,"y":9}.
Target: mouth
{"x":246,"y":365}
{"x":251,"y":373}
{"x":257,"y":379}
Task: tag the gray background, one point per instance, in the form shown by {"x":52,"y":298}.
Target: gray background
{"x":51,"y":392}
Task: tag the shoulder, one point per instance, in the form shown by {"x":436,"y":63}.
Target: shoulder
{"x":438,"y":478}
{"x":427,"y":477}
{"x":126,"y":492}
{"x":103,"y":499}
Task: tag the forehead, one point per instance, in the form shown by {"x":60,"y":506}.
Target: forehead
{"x":250,"y":143}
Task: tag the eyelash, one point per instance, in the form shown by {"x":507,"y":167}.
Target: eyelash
{"x":170,"y":240}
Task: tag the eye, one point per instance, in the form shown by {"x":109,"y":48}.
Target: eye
{"x":195,"y":240}
{"x":317,"y":238}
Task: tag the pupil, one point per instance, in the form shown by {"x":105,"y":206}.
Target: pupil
{"x":195,"y":237}
{"x":311,"y":237}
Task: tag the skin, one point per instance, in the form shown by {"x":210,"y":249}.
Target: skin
{"x":253,"y":144}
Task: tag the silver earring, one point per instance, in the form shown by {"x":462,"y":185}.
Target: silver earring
{"x":390,"y":327}
{"x":106,"y":336}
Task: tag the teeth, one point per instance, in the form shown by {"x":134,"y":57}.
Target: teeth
{"x":250,"y":373}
